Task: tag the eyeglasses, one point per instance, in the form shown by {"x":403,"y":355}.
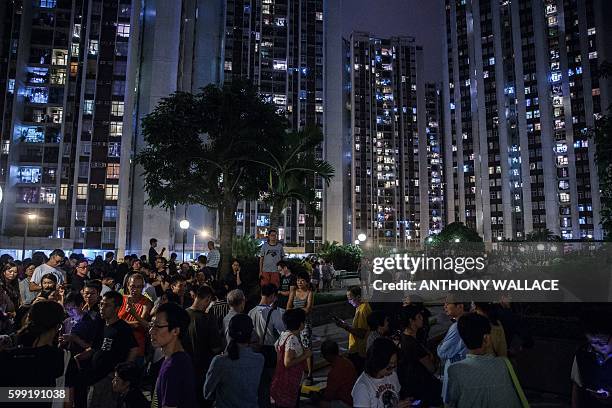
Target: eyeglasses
{"x":156,"y":326}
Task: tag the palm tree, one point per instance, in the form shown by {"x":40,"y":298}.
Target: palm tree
{"x":543,"y":235}
{"x":292,"y":166}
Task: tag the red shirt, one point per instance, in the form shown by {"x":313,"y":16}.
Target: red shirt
{"x":340,"y":381}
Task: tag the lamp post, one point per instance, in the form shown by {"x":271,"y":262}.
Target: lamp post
{"x":29,"y":217}
{"x":184,"y":224}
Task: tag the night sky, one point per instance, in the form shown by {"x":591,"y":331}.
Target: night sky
{"x":422,"y":19}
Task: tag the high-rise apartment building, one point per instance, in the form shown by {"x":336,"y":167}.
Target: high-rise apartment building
{"x":521,"y":89}
{"x":63,"y":87}
{"x":279,"y":45}
{"x":435,"y":164}
{"x":394,"y":138}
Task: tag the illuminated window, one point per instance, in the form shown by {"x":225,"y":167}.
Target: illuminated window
{"x":591,"y":31}
{"x":117,"y":108}
{"x":58,"y":76}
{"x":74,"y":69}
{"x":116,"y":129}
{"x":319,"y":15}
{"x":94,"y":47}
{"x":88,"y":105}
{"x":112,"y":192}
{"x":593,"y":55}
{"x":82,"y":191}
{"x":108,"y":235}
{"x":564,"y":197}
{"x":123,"y":30}
{"x":46,"y":3}
{"x":110,"y":213}
{"x":228,"y":65}
{"x":114,"y":149}
{"x":64,"y":192}
{"x":280,"y":65}
{"x":112,"y":171}
{"x":76,"y":31}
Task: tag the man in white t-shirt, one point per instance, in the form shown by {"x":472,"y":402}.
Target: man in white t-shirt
{"x":55,"y":258}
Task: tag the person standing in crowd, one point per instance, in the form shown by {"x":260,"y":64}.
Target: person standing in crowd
{"x":378,"y":322}
{"x":175,"y":385}
{"x":27,"y":296}
{"x":219,"y":307}
{"x":358,"y":332}
{"x":268,"y":323}
{"x":178,"y":285}
{"x":55,"y":259}
{"x":172,"y":270}
{"x":270,"y":254}
{"x":452,"y":349}
{"x":340,"y":379}
{"x":90,"y":326}
{"x":290,"y":362}
{"x":236,"y":302}
{"x":288,"y":283}
{"x":80,"y":275}
{"x":135,"y":310}
{"x":10,"y":284}
{"x":73,"y":305}
{"x":303,"y":298}
{"x":233,"y":280}
{"x":481,"y":379}
{"x":108,"y":284}
{"x":116,"y":346}
{"x":327,"y":275}
{"x":221,"y":379}
{"x":315,"y":276}
{"x":153,"y":254}
{"x":417,"y":365}
{"x":592,"y":367}
{"x":202,"y":340}
{"x":213,"y":257}
{"x":126,"y":385}
{"x":497,"y":346}
{"x":378,"y":386}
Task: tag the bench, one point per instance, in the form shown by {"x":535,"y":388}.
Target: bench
{"x":343,"y":275}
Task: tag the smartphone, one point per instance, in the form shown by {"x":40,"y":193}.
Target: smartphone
{"x":416,"y":403}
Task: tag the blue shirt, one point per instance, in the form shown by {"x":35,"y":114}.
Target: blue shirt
{"x":481,"y":381}
{"x":234,"y":383}
{"x":450,"y":350}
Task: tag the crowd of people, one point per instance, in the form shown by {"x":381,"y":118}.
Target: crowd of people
{"x":106,"y":331}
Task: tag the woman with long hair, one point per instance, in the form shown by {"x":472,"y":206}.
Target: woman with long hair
{"x":233,"y":377}
{"x":303,"y":298}
{"x":27,"y":296}
{"x":10,"y":284}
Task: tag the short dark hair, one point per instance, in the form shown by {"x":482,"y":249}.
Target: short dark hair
{"x":49,"y":276}
{"x":173,"y":255}
{"x":93,"y":284}
{"x":376,"y":319}
{"x":152,"y":241}
{"x":303,"y":275}
{"x":115,"y":296}
{"x":293,"y":318}
{"x":203,"y":292}
{"x":329,"y":348}
{"x":269,"y":289}
{"x":171,"y":296}
{"x":109,"y":254}
{"x":74,"y":297}
{"x":379,"y":354}
{"x":355,"y":291}
{"x":176,"y":317}
{"x":219,"y":289}
{"x":282,"y":264}
{"x":128,"y":371}
{"x":409,"y":313}
{"x":57,"y":252}
{"x":271,"y":230}
{"x":177,"y":279}
{"x":472,"y":327}
{"x":209,"y":243}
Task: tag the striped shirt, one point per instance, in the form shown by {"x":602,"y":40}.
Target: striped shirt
{"x":219,"y":309}
{"x":213,"y":258}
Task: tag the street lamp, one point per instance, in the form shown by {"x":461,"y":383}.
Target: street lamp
{"x":356,"y":242}
{"x":29,"y":217}
{"x":361,"y":237}
{"x":184,"y":224}
{"x":457,"y":240}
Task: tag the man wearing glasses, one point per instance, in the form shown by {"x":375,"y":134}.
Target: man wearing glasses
{"x":80,"y":275}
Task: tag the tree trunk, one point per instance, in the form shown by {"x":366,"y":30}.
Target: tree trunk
{"x":276,"y":215}
{"x":227,"y":233}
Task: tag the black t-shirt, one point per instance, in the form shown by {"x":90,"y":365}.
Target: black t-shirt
{"x":202,"y":337}
{"x":117,"y":341}
{"x":415,"y":379}
{"x":77,"y":282}
{"x":285,"y":284}
{"x":133,"y":399}
{"x":31,"y":366}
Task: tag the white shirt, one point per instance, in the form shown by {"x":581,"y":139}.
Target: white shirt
{"x":376,"y":392}
{"x":44,"y":269}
